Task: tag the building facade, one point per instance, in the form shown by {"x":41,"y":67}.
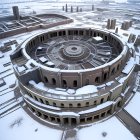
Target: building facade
{"x":74,"y":76}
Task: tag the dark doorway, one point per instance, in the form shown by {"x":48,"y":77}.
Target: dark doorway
{"x":66,"y":121}
{"x":73,"y":121}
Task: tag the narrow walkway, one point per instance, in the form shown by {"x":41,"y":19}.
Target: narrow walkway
{"x":131,"y":123}
{"x":70,"y":134}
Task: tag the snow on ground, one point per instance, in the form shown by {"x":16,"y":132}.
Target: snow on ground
{"x":86,"y":90}
{"x":112,"y":128}
{"x":18,"y":125}
{"x":133,"y":106}
{"x":5,"y":98}
{"x":129,"y":66}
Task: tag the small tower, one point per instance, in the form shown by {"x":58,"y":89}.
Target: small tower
{"x":71,"y":9}
{"x":16,"y":12}
{"x":66,"y":8}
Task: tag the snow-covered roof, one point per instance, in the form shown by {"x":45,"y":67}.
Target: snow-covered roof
{"x":130,"y":64}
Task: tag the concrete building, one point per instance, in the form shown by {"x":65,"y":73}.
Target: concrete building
{"x":111,"y":23}
{"x":16,"y":12}
{"x":66,"y":78}
{"x":126,"y":25}
{"x":137,"y":41}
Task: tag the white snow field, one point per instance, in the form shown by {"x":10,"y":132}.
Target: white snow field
{"x":27,"y":128}
{"x":132,"y":107}
{"x":111,"y":129}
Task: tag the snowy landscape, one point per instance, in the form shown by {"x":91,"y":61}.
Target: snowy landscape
{"x":17,"y":122}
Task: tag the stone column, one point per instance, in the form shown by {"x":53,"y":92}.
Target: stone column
{"x":16,"y":12}
{"x":108,"y":24}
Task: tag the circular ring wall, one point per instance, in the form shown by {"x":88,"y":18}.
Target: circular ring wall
{"x":74,"y":71}
{"x":80,"y":56}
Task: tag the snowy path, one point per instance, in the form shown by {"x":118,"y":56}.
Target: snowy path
{"x":131,"y":123}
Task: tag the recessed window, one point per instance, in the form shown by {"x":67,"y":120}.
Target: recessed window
{"x":39,"y":114}
{"x":102,"y":100}
{"x":64,"y":83}
{"x":62,"y":105}
{"x":58,"y":120}
{"x":96,"y":117}
{"x":74,"y":83}
{"x":46,"y":79}
{"x":82,"y":120}
{"x":53,"y":81}
{"x":70,"y":105}
{"x":105,"y":76}
{"x":89,"y":119}
{"x":95,"y":102}
{"x":45,"y":116}
{"x":47,"y":103}
{"x":113,"y":71}
{"x":33,"y":110}
{"x":103,"y":114}
{"x":87,"y":103}
{"x":79,"y":105}
{"x":97,"y":79}
{"x":54,"y":104}
{"x":41,"y":101}
{"x":118,"y":67}
{"x":35,"y":98}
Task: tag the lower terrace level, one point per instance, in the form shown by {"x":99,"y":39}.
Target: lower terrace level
{"x":71,"y":120}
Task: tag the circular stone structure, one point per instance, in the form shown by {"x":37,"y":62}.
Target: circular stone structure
{"x":73,"y":76}
{"x":73,"y":51}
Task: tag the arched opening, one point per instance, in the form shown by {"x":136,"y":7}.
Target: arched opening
{"x":113,"y":71}
{"x":47,"y":103}
{"x":73,"y":121}
{"x":70,"y":105}
{"x":58,"y":120}
{"x":102,"y":100}
{"x":62,"y":105}
{"x":74,"y":83}
{"x":45,"y":116}
{"x":97,"y":79}
{"x":35,"y":98}
{"x":32,"y":110}
{"x":41,"y":101}
{"x":82,"y":120}
{"x":54,"y":104}
{"x":108,"y":98}
{"x":118,"y":67}
{"x":38,"y":114}
{"x":89,"y":119}
{"x":95,"y":102}
{"x":66,"y":121}
{"x":30,"y":95}
{"x":41,"y":38}
{"x":79,"y":105}
{"x":106,"y":38}
{"x":52,"y":119}
{"x":96,"y":117}
{"x":64,"y":83}
{"x":64,"y":33}
{"x":109,"y":112}
{"x":46,"y":79}
{"x":53,"y":81}
{"x":119,"y":104}
{"x":103,"y":114}
{"x":60,"y":33}
{"x":105,"y":76}
{"x":87,"y":103}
